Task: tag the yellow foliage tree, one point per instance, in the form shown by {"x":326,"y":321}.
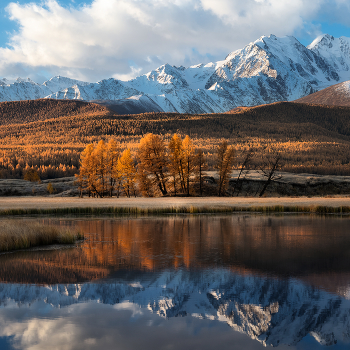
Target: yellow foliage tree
{"x":98,"y":173}
{"x":87,"y":172}
{"x":144,"y":182}
{"x":100,"y":158}
{"x":188,"y":151}
{"x":127,"y":172}
{"x":176,"y":163}
{"x":113,"y":175}
{"x":153,"y":161}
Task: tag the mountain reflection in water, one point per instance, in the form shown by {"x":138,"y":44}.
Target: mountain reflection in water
{"x":281,"y":280}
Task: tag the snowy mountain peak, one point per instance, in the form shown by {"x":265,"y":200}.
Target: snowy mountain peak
{"x":328,"y":46}
{"x":27,"y":80}
{"x":267,"y":70}
{"x":322,"y":40}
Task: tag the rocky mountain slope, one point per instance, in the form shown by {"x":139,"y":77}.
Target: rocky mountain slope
{"x":268,"y":70}
{"x":335,"y":95}
{"x":269,"y":310}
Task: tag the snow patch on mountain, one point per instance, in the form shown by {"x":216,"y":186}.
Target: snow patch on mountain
{"x":344,"y":88}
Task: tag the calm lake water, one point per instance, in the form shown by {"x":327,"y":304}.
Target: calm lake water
{"x":183,"y":282}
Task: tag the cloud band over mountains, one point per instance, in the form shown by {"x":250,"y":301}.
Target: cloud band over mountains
{"x":125,"y":38}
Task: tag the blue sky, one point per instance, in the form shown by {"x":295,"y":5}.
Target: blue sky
{"x":335,"y":29}
{"x":92,"y":40}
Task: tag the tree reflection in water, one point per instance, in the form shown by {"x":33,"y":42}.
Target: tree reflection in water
{"x":278,"y":279}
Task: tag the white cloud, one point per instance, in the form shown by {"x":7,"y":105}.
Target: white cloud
{"x":134,"y":72}
{"x":100,"y":39}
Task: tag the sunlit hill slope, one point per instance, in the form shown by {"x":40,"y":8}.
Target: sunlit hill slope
{"x":47,"y":133}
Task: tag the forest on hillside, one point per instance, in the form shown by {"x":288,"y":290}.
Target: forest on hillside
{"x":33,"y":110}
{"x":313,"y":139}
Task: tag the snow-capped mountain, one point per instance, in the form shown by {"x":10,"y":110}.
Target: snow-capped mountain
{"x":268,"y":70}
{"x":336,"y":51}
{"x":26,"y":89}
{"x":269,"y":310}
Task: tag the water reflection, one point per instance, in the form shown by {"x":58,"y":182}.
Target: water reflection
{"x":176,"y":281}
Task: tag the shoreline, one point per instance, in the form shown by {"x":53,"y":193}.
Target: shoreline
{"x":166,"y":205}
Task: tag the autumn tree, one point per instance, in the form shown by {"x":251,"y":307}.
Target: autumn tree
{"x":127,"y":171}
{"x":50,"y":188}
{"x":200,"y":166}
{"x":224,"y":163}
{"x":32,"y":175}
{"x":153,"y":160}
{"x":176,"y":163}
{"x":144,"y":181}
{"x":188,"y":157}
{"x":113,"y":175}
{"x":87,"y":172}
{"x":98,"y":173}
{"x":100,"y":158}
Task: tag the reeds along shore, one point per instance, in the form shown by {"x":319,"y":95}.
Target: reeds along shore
{"x":23,"y":234}
{"x":178,"y":210}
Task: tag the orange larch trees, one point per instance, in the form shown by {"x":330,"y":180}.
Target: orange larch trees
{"x":113,"y":175}
{"x":153,"y":161}
{"x":127,"y":172}
{"x":100,"y":158}
{"x":176,"y":162}
{"x":98,"y":173}
{"x":188,"y":151}
{"x":86,"y":176}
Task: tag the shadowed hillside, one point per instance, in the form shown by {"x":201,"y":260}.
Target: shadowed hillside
{"x":34,"y":110}
{"x":336,"y":95}
{"x":314,"y":139}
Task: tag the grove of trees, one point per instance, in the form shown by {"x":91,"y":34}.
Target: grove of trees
{"x":157,"y":168}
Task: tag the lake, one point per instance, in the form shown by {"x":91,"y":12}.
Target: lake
{"x":182,"y":282}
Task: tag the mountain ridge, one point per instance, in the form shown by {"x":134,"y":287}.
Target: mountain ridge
{"x":267,"y":70}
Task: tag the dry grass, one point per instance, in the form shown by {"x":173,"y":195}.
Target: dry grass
{"x":167,"y":205}
{"x":22,"y":235}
